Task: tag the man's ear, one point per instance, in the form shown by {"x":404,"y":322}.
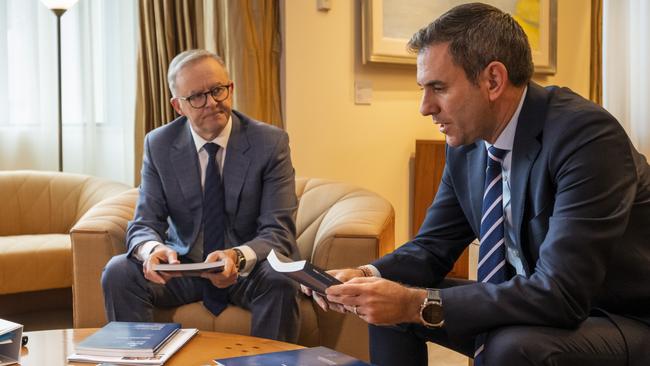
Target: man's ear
{"x":176,"y":103}
{"x":495,"y":75}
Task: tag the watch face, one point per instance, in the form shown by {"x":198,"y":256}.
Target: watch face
{"x":432,"y":313}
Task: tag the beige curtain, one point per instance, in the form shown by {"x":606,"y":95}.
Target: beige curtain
{"x":167,"y":27}
{"x":596,"y":65}
{"x":253,"y":56}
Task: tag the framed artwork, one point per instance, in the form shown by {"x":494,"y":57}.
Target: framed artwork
{"x":387,"y":25}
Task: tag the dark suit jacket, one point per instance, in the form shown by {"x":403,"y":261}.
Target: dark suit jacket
{"x":581,"y":212}
{"x":259,"y":186}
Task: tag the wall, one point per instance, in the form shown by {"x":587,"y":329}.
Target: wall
{"x":373,"y":145}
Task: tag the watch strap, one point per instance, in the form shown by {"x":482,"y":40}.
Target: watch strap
{"x":240,"y":263}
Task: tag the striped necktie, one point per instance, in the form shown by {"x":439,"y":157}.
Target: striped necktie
{"x":214,"y":224}
{"x":492,"y":251}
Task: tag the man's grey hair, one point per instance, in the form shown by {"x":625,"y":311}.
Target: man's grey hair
{"x":479,"y":34}
{"x":185,"y":58}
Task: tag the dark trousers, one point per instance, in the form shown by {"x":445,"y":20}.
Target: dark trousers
{"x":597,"y":341}
{"x":270,"y":296}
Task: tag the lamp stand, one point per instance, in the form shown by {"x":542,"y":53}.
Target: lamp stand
{"x":59,"y":125}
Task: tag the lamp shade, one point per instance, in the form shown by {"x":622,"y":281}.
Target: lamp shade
{"x":59,"y":4}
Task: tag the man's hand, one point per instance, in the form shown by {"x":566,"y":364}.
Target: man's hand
{"x":342,"y":275}
{"x":229,"y":275}
{"x":160,"y":254}
{"x":379,"y":301}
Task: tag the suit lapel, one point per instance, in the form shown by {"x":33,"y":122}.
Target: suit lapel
{"x":236,"y":163}
{"x":476,"y":179}
{"x":188,"y":175}
{"x":524,"y":152}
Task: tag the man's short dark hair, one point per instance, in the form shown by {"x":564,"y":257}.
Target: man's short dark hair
{"x":479,"y":34}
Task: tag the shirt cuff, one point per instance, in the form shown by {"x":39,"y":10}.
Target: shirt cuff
{"x":142,"y":251}
{"x":251,"y":259}
{"x":375,"y":272}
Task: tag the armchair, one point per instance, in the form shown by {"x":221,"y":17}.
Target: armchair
{"x":38,"y":209}
{"x":338,"y":225}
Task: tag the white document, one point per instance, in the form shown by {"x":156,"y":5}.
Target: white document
{"x":160,"y":357}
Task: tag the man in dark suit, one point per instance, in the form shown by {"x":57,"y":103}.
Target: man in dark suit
{"x":558,"y":196}
{"x":216,"y":185}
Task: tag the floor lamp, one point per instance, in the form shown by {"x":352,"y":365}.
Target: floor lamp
{"x":59,"y":7}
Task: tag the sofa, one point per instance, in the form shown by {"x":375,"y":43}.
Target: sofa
{"x":338,"y":225}
{"x":38,"y":210}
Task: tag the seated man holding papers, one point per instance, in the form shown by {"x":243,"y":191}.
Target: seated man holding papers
{"x":216,"y":186}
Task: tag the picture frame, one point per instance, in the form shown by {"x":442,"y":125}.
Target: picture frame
{"x":387,"y":25}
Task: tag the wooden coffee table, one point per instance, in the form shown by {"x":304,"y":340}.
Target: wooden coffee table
{"x":51,"y":347}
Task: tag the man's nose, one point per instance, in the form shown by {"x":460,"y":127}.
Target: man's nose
{"x":428,"y":106}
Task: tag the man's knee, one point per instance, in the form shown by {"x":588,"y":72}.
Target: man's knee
{"x":275,"y":282}
{"x":119,"y":272}
{"x":515,"y":345}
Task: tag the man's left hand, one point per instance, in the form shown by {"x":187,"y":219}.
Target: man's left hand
{"x":229,"y":275}
{"x":379,"y":301}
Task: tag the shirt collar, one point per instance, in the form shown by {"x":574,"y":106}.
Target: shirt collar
{"x":506,"y":139}
{"x":221,"y":140}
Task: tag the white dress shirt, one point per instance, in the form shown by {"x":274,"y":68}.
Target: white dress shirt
{"x":506,"y":141}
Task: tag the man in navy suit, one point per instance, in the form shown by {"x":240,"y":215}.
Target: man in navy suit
{"x":574,"y":218}
{"x":216,"y":185}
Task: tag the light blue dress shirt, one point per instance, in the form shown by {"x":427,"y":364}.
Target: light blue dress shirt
{"x":506,"y":141}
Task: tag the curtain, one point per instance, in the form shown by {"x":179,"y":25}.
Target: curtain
{"x":595,"y":62}
{"x":167,"y":28}
{"x":98,"y":47}
{"x":28,"y":86}
{"x":626,"y":75}
{"x":253,"y":57}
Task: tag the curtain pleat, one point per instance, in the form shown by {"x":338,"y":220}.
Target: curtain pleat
{"x":254,"y":57}
{"x":595,"y":63}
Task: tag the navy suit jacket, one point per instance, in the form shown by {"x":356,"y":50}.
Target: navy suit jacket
{"x":259,"y":187}
{"x":580,"y":196}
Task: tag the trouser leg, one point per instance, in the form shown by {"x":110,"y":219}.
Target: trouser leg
{"x":405,"y":344}
{"x":128,"y":296}
{"x":597,"y":341}
{"x":272,"y":299}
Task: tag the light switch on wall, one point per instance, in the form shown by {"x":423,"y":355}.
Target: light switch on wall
{"x":323,"y":5}
{"x":362,"y":92}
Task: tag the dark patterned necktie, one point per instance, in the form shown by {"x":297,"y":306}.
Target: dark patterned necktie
{"x":214,"y":299}
{"x":492,"y":251}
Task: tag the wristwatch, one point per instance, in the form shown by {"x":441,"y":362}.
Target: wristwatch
{"x":240,"y":262}
{"x":431,"y":310}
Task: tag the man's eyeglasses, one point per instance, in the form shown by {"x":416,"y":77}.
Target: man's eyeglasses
{"x":218,"y":94}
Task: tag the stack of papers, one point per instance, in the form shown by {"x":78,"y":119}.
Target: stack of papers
{"x":91,"y":350}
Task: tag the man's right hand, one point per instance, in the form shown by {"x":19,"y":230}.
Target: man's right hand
{"x":160,"y":254}
{"x":343,"y":275}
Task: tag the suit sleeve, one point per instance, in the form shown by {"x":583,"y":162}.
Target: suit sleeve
{"x":150,"y":220}
{"x":276,"y":228}
{"x":444,"y":234}
{"x":592,"y":169}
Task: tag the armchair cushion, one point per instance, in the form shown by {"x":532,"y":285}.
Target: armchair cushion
{"x":34,"y":262}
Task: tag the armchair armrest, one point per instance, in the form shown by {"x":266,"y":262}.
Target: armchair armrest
{"x":357,"y":229}
{"x":96,"y":237}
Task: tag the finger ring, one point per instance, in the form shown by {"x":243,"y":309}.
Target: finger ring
{"x":354,"y":309}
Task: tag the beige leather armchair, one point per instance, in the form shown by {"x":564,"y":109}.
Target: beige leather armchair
{"x":338,"y":225}
{"x":38,"y":210}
